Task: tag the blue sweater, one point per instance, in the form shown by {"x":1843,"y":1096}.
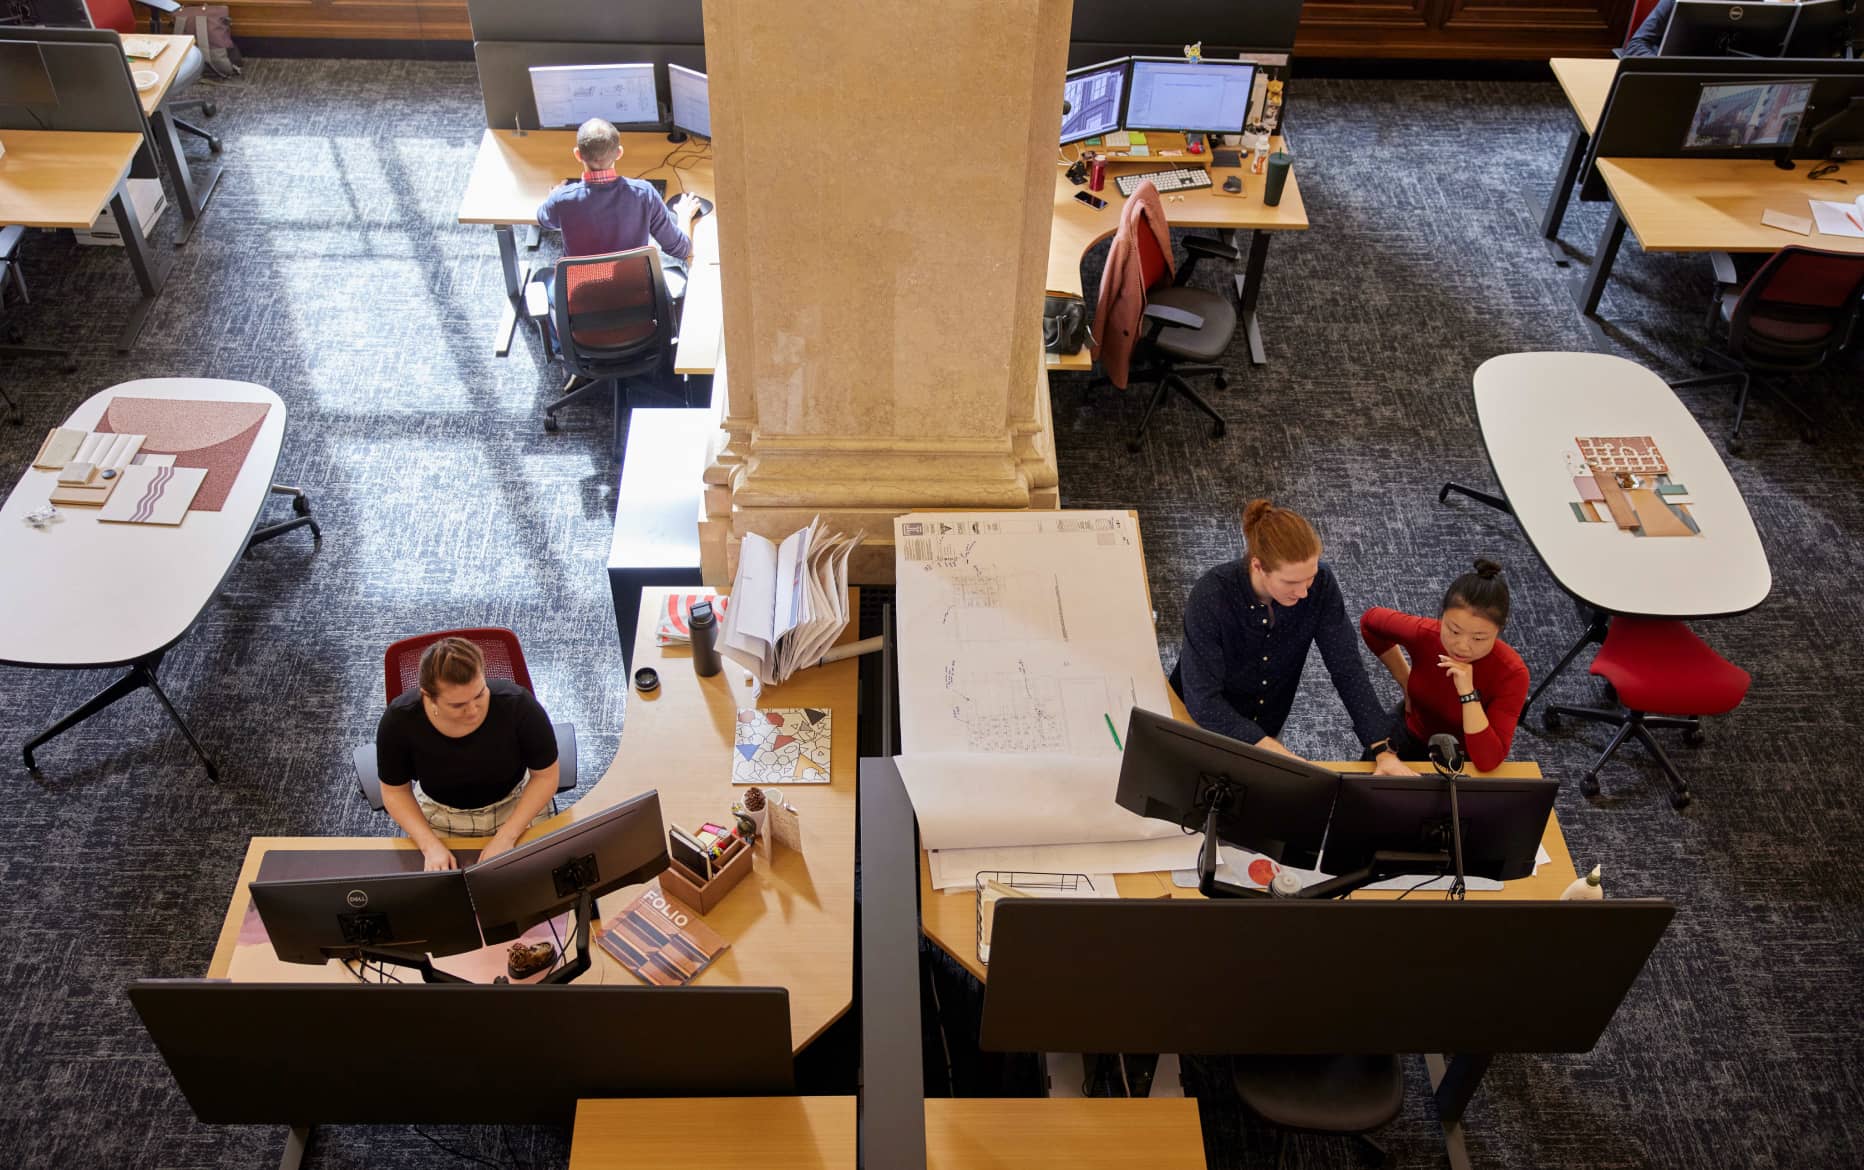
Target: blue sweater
{"x":1242,"y":658}
{"x":612,"y":215}
{"x":1649,"y":35}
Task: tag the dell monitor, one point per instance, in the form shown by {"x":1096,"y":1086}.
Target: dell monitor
{"x":1822,"y":28}
{"x":617,"y":847}
{"x":24,"y":79}
{"x":569,"y":95}
{"x":1252,"y":798}
{"x":318,"y":919}
{"x":1171,"y":93}
{"x":1713,"y":28}
{"x":1095,"y":98}
{"x":1759,"y":116}
{"x":692,"y":105}
{"x":1502,"y":823}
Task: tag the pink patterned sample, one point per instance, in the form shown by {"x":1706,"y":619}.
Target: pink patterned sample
{"x":213,"y":436}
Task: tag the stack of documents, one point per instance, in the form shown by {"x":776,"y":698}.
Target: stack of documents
{"x":789,"y":603}
{"x":1839,"y":219}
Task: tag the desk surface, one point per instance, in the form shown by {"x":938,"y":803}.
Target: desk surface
{"x":61,"y":178}
{"x":1715,"y":204}
{"x":164,"y":66}
{"x":82,"y":592}
{"x":1587,"y":82}
{"x":950,"y":919}
{"x":819,"y":1133}
{"x":790,"y":923}
{"x":1531,"y":406}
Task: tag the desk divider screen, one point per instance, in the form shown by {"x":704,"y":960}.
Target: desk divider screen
{"x":663,"y":22}
{"x":505,"y":73}
{"x":95,"y":92}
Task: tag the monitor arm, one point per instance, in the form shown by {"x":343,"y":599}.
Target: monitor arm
{"x":413,"y":962}
{"x":1216,"y":800}
{"x":585,"y":911}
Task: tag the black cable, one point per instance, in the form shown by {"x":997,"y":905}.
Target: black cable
{"x":461,"y":1154}
{"x":1418,"y":886}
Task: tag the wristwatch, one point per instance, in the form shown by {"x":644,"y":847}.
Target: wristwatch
{"x":1472,"y":697}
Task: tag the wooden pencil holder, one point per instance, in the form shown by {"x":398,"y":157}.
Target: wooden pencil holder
{"x":682,"y":883}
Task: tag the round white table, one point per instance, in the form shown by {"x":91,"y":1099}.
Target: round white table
{"x":80,"y":593}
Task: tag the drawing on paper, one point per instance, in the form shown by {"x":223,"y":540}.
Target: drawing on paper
{"x":782,"y":746}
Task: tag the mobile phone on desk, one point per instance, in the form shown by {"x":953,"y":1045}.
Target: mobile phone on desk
{"x":1092,"y":200}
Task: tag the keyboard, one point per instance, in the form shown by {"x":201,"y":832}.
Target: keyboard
{"x":1181,"y":179}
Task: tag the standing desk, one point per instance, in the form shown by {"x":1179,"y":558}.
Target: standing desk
{"x":818,"y":1133}
{"x":64,"y":179}
{"x":1587,"y":83}
{"x":1078,"y":227}
{"x":790,"y":924}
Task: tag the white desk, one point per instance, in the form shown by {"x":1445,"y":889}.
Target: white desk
{"x":1531,"y":406}
{"x":86,"y":594}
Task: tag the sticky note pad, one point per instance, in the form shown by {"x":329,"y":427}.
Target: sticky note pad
{"x":1138,"y":151}
{"x":1094,"y":141}
{"x":1136,"y":138}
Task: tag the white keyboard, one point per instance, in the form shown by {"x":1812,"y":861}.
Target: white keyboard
{"x":1181,"y":179}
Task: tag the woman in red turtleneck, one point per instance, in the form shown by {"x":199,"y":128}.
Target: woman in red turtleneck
{"x":1461,"y":677}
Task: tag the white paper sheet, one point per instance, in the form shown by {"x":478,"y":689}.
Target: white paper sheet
{"x":959,"y":867}
{"x":972,"y":800}
{"x":1839,"y":219}
{"x":1023,"y":632}
{"x":1233,"y":867}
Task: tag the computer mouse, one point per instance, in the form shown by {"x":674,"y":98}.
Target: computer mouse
{"x":678,"y":203}
{"x":1233,"y":185}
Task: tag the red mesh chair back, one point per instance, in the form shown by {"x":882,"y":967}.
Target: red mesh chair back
{"x":612,"y":312}
{"x":401,"y":664}
{"x":1640,"y":11}
{"x":1797,"y":309}
{"x":115,"y":14}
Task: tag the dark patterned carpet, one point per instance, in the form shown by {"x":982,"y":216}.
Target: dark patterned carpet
{"x":330,"y":269}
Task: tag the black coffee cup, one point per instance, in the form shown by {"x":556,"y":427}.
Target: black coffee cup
{"x":1277,"y":178}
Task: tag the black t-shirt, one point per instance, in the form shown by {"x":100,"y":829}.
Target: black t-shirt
{"x":474,"y":770}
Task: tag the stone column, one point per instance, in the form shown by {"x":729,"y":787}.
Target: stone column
{"x":885,"y":178}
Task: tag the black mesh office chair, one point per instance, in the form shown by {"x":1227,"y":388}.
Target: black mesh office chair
{"x":1348,"y":1096}
{"x":614,"y":325}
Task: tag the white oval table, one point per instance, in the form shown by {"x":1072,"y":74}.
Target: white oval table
{"x":82,"y":594}
{"x":1531,"y":407}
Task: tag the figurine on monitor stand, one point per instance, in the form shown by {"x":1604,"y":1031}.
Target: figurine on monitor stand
{"x":1271,"y":107}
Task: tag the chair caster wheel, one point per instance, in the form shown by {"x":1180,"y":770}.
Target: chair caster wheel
{"x":1611,"y":694}
{"x":209,"y":108}
{"x":214,"y":145}
{"x":1736,"y":444}
{"x":1693,"y":736}
{"x":1550,"y":719}
{"x":1680,"y":800}
{"x":301,"y":505}
{"x":1223,"y":383}
{"x":1133,"y":446}
{"x":550,"y":423}
{"x":1589,"y":784}
{"x":1216,"y":431}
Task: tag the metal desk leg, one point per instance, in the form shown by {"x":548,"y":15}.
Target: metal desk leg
{"x":296,"y":1140}
{"x":151,"y":270}
{"x":1595,"y":632}
{"x":514,"y":288}
{"x":1554,"y":212}
{"x":1588,"y":291}
{"x":193,"y":198}
{"x":1493,"y":501}
{"x":141,"y":674}
{"x":1249,"y":291}
{"x":1455,"y":1082}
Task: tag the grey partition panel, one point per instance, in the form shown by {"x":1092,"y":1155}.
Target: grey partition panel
{"x":892,"y":1114}
{"x":505,"y":77}
{"x":1169,"y":25}
{"x":95,"y":92}
{"x":668,"y":22}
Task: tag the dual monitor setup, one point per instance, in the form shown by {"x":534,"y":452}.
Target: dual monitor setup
{"x":1810,"y":29}
{"x":1360,"y":827}
{"x":626,"y":94}
{"x":405,"y":918}
{"x":1157,"y":93}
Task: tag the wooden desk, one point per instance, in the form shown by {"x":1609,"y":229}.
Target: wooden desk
{"x":950,"y":919}
{"x":512,"y":174}
{"x":1077,"y":227}
{"x":64,"y":179}
{"x":1704,"y":205}
{"x":193,"y":193}
{"x":1587,"y":82}
{"x":819,"y":1133}
{"x":165,"y":67}
{"x":790,"y":924}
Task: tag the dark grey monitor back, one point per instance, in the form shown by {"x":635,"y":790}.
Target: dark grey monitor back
{"x":95,"y":92}
{"x":1289,"y":976}
{"x":308,"y":1054}
{"x":505,"y":71}
{"x":668,"y":22}
{"x":24,"y":79}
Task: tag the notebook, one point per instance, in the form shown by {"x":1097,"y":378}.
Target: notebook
{"x":1839,"y":219}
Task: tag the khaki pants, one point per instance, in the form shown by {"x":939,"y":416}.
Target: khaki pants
{"x":473,"y":822}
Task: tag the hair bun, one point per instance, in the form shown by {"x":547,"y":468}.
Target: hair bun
{"x":1486,"y":569}
{"x":1254,"y":511}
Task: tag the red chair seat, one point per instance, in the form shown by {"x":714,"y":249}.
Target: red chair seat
{"x":1661,"y":668}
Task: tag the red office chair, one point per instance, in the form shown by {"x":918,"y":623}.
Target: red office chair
{"x":1792,"y":315}
{"x":504,"y":659}
{"x":1666,"y":677}
{"x":614,"y":322}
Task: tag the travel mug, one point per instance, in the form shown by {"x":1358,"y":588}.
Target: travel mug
{"x":1097,"y":174}
{"x":704,"y":625}
{"x":1279,"y":163}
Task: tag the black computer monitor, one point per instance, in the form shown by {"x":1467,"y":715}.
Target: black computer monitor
{"x":1502,"y":821}
{"x":1096,"y":98}
{"x":617,"y":847}
{"x":1760,"y":116}
{"x":24,"y":79}
{"x":1715,"y":28}
{"x":569,"y":95}
{"x":1171,"y":93}
{"x":1822,"y":28}
{"x":316,"y":919}
{"x":1271,"y":803}
{"x":692,"y":101}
